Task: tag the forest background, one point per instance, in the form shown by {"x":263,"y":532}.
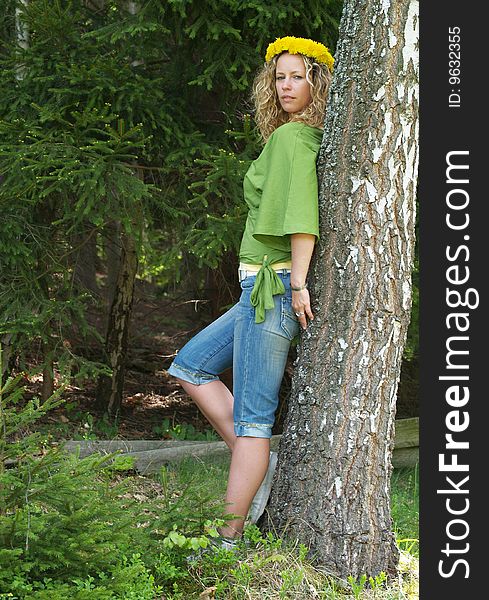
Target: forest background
{"x":126,"y":129}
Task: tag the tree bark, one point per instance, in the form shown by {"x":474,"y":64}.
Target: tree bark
{"x":332,"y":485}
{"x":112,"y":250}
{"x":109,"y":392}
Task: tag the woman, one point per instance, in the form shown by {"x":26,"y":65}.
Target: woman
{"x":254,"y":336}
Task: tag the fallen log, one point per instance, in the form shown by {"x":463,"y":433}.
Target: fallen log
{"x":151,"y":455}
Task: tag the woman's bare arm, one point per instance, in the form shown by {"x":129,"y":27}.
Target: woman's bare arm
{"x":302,"y":245}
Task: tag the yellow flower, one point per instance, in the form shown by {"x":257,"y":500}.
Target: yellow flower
{"x":296,"y":45}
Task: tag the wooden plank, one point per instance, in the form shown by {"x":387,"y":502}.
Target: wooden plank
{"x":87,"y":447}
{"x":407,"y":433}
{"x":405,"y":457}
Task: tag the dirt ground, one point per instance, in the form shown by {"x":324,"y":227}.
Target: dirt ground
{"x":160,"y":326}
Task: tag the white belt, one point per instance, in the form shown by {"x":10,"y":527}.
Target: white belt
{"x":251,"y":270}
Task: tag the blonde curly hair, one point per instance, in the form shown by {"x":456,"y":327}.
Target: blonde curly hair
{"x":269,"y":114}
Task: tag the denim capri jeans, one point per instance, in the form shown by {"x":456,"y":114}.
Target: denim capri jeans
{"x":256,"y":351}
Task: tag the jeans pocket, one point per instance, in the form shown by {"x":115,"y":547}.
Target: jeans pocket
{"x":288,"y":320}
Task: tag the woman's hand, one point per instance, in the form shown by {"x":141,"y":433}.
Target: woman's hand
{"x":301,"y":303}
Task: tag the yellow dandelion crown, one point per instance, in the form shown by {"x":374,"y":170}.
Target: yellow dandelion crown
{"x":297,"y":45}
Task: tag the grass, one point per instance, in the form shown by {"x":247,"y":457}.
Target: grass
{"x":405,"y":508}
{"x":271,"y":568}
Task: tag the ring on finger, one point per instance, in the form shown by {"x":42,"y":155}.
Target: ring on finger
{"x":299,"y":314}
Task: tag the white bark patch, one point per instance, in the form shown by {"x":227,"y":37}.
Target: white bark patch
{"x":401,"y":88}
{"x":356,"y":183}
{"x":353,"y":256}
{"x":379,"y":149}
{"x":402,"y":265}
{"x":338,"y":486}
{"x":392,"y":40}
{"x":385,"y":9}
{"x":364,"y":359}
{"x":373,"y":422}
{"x":405,"y":127}
{"x":380,"y":93}
{"x":330,"y":438}
{"x":411,"y":37}
{"x":383,"y":350}
{"x":411,"y":165}
{"x":396,"y":332}
{"x":371,"y":190}
{"x":406,"y":294}
{"x":371,"y":48}
{"x":381,"y":204}
{"x":393,"y":167}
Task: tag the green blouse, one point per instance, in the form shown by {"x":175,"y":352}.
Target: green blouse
{"x":281,"y":191}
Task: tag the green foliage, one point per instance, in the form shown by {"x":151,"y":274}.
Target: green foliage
{"x":357,"y":585}
{"x":71,"y":527}
{"x":109,"y":113}
{"x":378,"y":580}
{"x":218,"y":183}
{"x":184,"y":431}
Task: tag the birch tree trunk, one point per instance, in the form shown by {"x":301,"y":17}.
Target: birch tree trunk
{"x":332,"y":485}
{"x":112,"y":249}
{"x":109,"y":392}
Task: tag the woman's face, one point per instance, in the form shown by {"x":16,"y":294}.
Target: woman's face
{"x":293,"y":89}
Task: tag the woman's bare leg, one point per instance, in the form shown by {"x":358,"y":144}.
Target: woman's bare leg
{"x":250,"y":455}
{"x":249,"y":465}
{"x":216,"y":402}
